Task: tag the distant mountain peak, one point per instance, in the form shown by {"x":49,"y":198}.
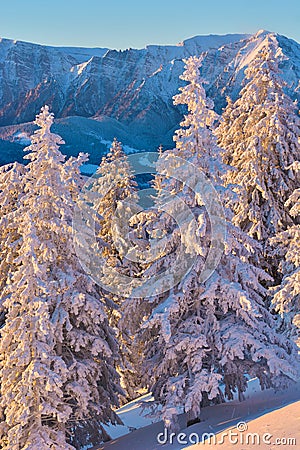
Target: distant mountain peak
{"x":263,"y":32}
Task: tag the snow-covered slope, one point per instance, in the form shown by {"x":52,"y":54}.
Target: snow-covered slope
{"x":132,"y":87}
{"x":256,"y":412}
{"x":272,"y":430}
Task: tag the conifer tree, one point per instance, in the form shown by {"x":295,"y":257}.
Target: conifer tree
{"x":11,"y":189}
{"x":32,"y":375}
{"x":115,"y":184}
{"x":260,"y":137}
{"x":204,"y":332}
{"x":116,"y":202}
{"x":58,"y":381}
{"x":286,"y":247}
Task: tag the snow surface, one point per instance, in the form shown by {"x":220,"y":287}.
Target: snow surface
{"x":133,"y":415}
{"x":21,"y":138}
{"x":263,"y":411}
{"x":281,"y":424}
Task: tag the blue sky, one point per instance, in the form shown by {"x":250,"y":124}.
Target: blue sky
{"x":133,"y":23}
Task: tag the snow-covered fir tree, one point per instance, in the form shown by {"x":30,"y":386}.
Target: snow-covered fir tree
{"x":118,"y":199}
{"x":203,"y":333}
{"x":197,"y":123}
{"x":11,"y":189}
{"x":116,"y":202}
{"x":286,"y":247}
{"x":260,"y":137}
{"x":32,"y":375}
{"x":58,"y":353}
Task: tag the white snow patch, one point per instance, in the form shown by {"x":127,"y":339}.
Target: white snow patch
{"x":157,"y":71}
{"x":82,"y":66}
{"x":22,"y":138}
{"x":133,"y":415}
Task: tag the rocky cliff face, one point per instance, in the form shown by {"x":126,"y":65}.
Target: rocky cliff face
{"x":130,"y":90}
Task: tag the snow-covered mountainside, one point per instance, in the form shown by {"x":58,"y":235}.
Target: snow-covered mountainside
{"x":79,"y":133}
{"x":128,"y":90}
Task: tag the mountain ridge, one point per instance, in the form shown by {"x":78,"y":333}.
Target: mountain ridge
{"x":128,"y":89}
{"x":90,"y":50}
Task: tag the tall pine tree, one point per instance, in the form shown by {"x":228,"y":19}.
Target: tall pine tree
{"x":116,"y":202}
{"x":285,"y":246}
{"x":58,"y":381}
{"x":260,"y":137}
{"x":11,"y":190}
{"x":205,"y":332}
